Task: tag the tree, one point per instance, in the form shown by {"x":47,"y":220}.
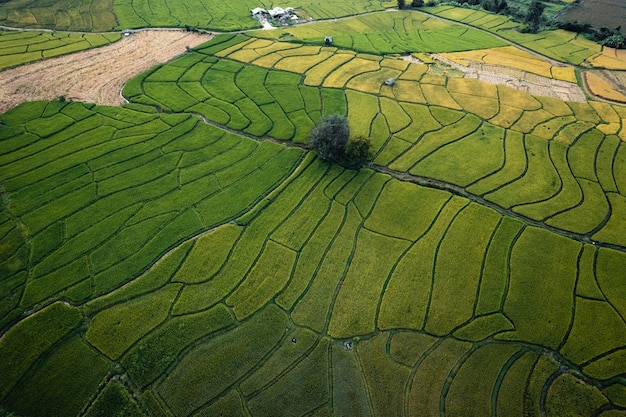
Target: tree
{"x":533,"y":17}
{"x":417,"y":3}
{"x":329,"y":137}
{"x":401,"y":4}
{"x":357,"y":151}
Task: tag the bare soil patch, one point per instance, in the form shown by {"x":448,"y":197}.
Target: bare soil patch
{"x":96,"y":75}
{"x":520,"y":80}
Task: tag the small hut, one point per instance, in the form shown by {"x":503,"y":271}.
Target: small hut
{"x":390,"y":81}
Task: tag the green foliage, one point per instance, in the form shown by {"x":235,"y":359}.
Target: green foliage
{"x":329,"y":137}
{"x":357,"y":151}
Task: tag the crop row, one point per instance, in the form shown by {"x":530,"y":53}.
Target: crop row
{"x":545,"y":159}
{"x":166,"y":176}
{"x":18,"y":48}
{"x":333,"y":250}
{"x":71,"y":15}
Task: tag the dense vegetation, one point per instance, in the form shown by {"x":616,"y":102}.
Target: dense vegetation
{"x":186,"y":254}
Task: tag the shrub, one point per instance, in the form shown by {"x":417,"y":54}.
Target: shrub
{"x":357,"y":151}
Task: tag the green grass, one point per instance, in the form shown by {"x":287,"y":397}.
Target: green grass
{"x":585,"y":398}
{"x":348,"y":383}
{"x":432,"y":141}
{"x":492,"y":291}
{"x":587,"y":216}
{"x":302,"y":390}
{"x":268,"y":276}
{"x":425,"y":394}
{"x":593,"y":317}
{"x":568,"y":197}
{"x":514,"y":166}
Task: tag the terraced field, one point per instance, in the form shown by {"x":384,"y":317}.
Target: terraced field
{"x":560,"y":45}
{"x":17,"y":48}
{"x":190,"y":256}
{"x":107,"y":15}
{"x":84,"y":15}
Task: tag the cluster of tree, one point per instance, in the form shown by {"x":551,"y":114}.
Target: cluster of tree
{"x":192,"y":29}
{"x":496,"y":6}
{"x":612,"y":38}
{"x":330,"y":138}
{"x":416,"y":3}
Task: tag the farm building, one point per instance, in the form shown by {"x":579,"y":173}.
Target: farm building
{"x":277,"y":12}
{"x":259,"y":13}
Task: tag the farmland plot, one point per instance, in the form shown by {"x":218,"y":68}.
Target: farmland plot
{"x":476,"y":266}
{"x":18,"y":48}
{"x":292,"y":243}
{"x":85,"y":15}
{"x":543,"y":181}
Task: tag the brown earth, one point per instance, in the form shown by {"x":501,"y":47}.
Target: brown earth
{"x":96,"y":75}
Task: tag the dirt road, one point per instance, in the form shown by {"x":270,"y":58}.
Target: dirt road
{"x":96,"y":75}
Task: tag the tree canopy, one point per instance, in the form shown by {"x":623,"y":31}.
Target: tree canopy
{"x":329,"y":137}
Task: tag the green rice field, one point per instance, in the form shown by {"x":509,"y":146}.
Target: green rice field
{"x":187,"y":254}
{"x":17,"y":48}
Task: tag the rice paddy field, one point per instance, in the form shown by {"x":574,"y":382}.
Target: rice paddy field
{"x":186,"y":254}
{"x":107,"y":15}
{"x":17,"y":48}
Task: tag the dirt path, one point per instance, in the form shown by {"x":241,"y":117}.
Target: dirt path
{"x":96,"y":75}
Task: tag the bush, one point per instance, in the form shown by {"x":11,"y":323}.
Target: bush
{"x":417,"y":3}
{"x":357,"y":151}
